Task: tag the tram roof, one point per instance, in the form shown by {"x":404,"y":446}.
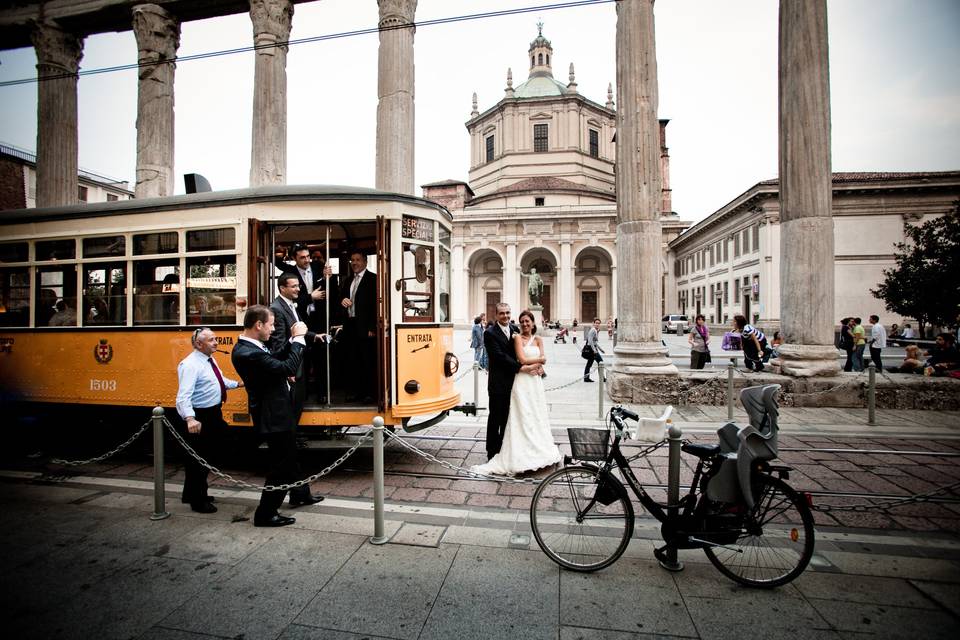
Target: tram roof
{"x":278,"y":193}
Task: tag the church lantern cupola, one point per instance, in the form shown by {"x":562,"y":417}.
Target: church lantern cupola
{"x":540,"y":54}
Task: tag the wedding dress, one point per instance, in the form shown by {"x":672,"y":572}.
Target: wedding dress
{"x":527,"y":441}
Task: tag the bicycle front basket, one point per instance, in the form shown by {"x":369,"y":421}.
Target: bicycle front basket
{"x":589,"y":444}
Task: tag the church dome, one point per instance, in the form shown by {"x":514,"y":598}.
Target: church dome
{"x":538,"y":87}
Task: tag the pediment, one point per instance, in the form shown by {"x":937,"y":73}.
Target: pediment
{"x":541,"y":115}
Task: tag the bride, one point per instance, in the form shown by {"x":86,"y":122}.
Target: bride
{"x":527,"y":442}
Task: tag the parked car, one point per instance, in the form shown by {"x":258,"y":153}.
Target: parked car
{"x":674,"y":323}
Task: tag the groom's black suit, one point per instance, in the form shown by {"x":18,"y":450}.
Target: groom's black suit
{"x":503,"y":368}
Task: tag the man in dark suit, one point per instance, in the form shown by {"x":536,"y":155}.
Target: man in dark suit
{"x":286,"y":316}
{"x":503,"y":366}
{"x":265,"y":376}
{"x":315,"y":279}
{"x":359,"y":301}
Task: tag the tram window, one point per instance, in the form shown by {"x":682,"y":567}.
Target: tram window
{"x":56,"y":249}
{"x":105,"y":294}
{"x":211,"y":239}
{"x":212,"y":290}
{"x":156,"y":292}
{"x":14,"y":297}
{"x":417,"y":283}
{"x":104,"y":246}
{"x":153,"y":243}
{"x":56,"y":296}
{"x":443,"y":285}
{"x":13,"y":252}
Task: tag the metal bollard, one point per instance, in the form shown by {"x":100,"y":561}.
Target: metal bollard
{"x":872,"y":394}
{"x":476,"y":384}
{"x":730,"y":390}
{"x":675,"y":436}
{"x":601,"y":383}
{"x":159,"y":488}
{"x":378,"y":534}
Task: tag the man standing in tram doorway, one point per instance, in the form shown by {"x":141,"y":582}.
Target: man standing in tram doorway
{"x":359,"y":295}
{"x":200,"y":397}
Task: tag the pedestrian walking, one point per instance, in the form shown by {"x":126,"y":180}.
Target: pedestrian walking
{"x":859,"y":343}
{"x":878,"y":341}
{"x":699,"y":339}
{"x":476,"y":339}
{"x":591,"y":349}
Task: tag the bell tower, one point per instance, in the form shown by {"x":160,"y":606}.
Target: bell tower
{"x":540,"y":54}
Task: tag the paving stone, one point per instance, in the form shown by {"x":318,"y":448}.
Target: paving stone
{"x":483,"y":500}
{"x":488,"y":594}
{"x":431,"y":483}
{"x":477,"y":536}
{"x":740,"y":617}
{"x":302,"y":632}
{"x":139,"y":596}
{"x":382,"y":574}
{"x":615,"y":599}
{"x":260,"y":595}
{"x":443,"y":496}
{"x":944,"y":594}
{"x":886,"y":621}
{"x":893,"y":566}
{"x":224,"y":543}
{"x":410,"y":494}
{"x":863,"y":589}
{"x":419,"y":535}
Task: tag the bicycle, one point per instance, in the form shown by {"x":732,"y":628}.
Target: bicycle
{"x":758,"y":536}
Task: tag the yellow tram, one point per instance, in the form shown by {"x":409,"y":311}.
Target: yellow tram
{"x":98,"y":302}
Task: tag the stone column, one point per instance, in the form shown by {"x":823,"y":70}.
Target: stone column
{"x":511,"y":278}
{"x":639,"y":238}
{"x":806,"y":234}
{"x":158,"y":36}
{"x":268,"y":154}
{"x":565,"y":283}
{"x":58,"y":57}
{"x":395,"y":106}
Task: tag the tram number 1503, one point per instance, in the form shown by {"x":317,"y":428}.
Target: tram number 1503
{"x":103,"y":385}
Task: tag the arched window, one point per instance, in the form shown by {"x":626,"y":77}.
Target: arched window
{"x":539,"y":58}
{"x":548,"y":58}
{"x":533,"y":61}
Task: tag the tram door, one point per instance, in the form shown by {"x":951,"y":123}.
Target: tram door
{"x":260,"y":272}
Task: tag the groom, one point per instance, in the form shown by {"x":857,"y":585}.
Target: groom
{"x":503,"y":366}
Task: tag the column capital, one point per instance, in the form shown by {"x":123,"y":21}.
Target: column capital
{"x":56,"y":48}
{"x":271,"y":21}
{"x":157,"y":33}
{"x":396,"y":13}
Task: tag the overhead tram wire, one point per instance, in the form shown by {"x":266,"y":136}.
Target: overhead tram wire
{"x":331,"y":36}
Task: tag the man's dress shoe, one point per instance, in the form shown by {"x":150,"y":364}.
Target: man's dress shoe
{"x":203,"y":507}
{"x":305,"y":499}
{"x":276,"y":520}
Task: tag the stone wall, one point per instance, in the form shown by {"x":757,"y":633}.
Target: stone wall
{"x":12,"y":189}
{"x":894,"y":391}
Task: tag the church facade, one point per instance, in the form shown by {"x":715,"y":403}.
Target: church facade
{"x":540,"y":198}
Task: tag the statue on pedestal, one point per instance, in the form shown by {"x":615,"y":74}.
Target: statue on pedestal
{"x":534,"y":288}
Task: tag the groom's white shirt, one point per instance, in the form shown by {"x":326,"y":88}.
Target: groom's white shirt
{"x":506,"y":330}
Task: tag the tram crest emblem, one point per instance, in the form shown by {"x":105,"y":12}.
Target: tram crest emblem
{"x":103,"y":352}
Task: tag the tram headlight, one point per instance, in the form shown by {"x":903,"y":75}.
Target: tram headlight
{"x":451,"y":364}
{"x":411,"y":387}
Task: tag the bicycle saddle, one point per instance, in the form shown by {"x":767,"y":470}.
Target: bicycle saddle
{"x":700,"y":450}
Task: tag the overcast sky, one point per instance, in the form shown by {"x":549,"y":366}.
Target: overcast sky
{"x":895,"y":90}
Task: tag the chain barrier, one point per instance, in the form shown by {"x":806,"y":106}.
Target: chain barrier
{"x":856,"y":380}
{"x":283,"y":487}
{"x":112,"y":452}
{"x":464,"y":375}
{"x":565,"y":385}
{"x":888,"y":503}
{"x":458,"y":470}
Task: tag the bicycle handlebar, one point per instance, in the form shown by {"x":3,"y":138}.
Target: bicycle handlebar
{"x":626,"y":413}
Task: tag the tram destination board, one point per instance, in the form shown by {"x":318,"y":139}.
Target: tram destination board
{"x":417,"y":229}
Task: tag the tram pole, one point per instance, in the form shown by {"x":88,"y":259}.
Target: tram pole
{"x":675,"y":437}
{"x":378,"y":528}
{"x":159,"y":488}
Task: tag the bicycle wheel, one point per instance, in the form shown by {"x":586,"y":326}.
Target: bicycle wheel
{"x":581,"y":521}
{"x":775,"y":542}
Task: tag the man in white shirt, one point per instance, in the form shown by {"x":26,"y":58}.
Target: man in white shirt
{"x":878,"y":341}
{"x":200,"y":397}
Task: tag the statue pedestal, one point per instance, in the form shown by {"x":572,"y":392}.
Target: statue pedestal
{"x":537,"y":312}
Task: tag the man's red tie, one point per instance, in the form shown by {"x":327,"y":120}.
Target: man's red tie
{"x":223,"y":387}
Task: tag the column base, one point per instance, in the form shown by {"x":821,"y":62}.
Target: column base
{"x":643,"y":374}
{"x":807,"y":360}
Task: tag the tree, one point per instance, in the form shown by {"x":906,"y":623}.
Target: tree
{"x":925,"y":283}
